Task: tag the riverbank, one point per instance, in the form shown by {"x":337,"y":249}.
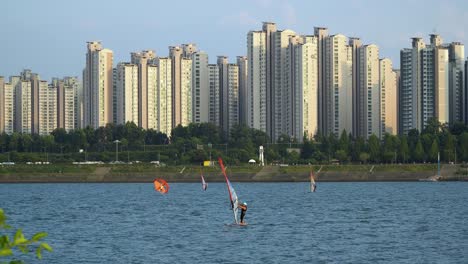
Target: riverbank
{"x":147,"y":173}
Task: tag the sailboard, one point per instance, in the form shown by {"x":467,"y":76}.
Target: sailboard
{"x":313,"y":185}
{"x":232,"y":193}
{"x":204,"y":184}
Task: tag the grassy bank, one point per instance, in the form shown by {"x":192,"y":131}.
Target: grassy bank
{"x":361,"y":168}
{"x":145,"y":172}
{"x":143,"y":168}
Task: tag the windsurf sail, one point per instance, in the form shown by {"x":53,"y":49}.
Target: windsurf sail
{"x":232,"y":193}
{"x":313,"y":186}
{"x":161,"y":186}
{"x":204,"y":184}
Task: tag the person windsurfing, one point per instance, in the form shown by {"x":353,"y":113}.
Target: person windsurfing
{"x":243,"y":207}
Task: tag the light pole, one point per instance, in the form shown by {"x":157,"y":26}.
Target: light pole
{"x":116,"y":150}
{"x":209,"y":145}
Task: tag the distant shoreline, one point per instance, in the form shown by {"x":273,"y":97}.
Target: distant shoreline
{"x":107,"y":174}
{"x":68,"y":173}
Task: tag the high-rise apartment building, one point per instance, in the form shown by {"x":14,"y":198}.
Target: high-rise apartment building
{"x":153,"y":104}
{"x":242,"y":63}
{"x":303,"y":80}
{"x":181,"y":83}
{"x":7,"y":104}
{"x":442,"y":104}
{"x":355,"y":44}
{"x":388,"y":98}
{"x":456,"y":73}
{"x":185,"y":92}
{"x":322,"y":35}
{"x":259,"y":75}
{"x":143,"y":60}
{"x":200,"y":87}
{"x":34,"y":80}
{"x":2,"y":104}
{"x":280,"y":109}
{"x":128,"y":104}
{"x":228,"y":94}
{"x":338,"y":82}
{"x":66,"y":98}
{"x":369,"y":101}
{"x":98,"y":86}
{"x":214,"y":86}
{"x":23,"y":109}
{"x":47,"y":108}
{"x":405,"y":106}
{"x":164,"y":95}
{"x":431,"y":81}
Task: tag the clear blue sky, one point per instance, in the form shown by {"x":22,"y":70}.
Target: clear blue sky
{"x":49,"y":36}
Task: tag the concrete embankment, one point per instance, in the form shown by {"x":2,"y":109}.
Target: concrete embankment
{"x":267,"y":174}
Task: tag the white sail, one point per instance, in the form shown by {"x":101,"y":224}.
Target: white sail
{"x":204,"y":184}
{"x":235,"y":202}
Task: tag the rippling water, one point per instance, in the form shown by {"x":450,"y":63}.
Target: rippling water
{"x":340,"y":223}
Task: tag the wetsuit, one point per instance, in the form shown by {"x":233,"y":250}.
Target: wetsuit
{"x":243,"y":210}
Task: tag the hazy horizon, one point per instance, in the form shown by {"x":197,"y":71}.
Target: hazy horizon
{"x":49,"y":37}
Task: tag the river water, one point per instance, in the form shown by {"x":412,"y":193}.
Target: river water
{"x":340,"y":223}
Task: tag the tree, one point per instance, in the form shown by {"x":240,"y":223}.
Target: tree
{"x":374,"y":148}
{"x":389,"y":147}
{"x":463,"y":146}
{"x":3,"y":141}
{"x":433,"y":151}
{"x":413,"y":137}
{"x":27,"y":142}
{"x":240,"y":137}
{"x":341,"y":155}
{"x":364,"y":157}
{"x":60,"y":136}
{"x":358,"y":147}
{"x":403,"y":151}
{"x":19,"y":241}
{"x":426,"y":140}
{"x":447,"y":146}
{"x":458,"y":128}
{"x":418,"y":154}
{"x":308,"y":149}
{"x":153,"y":137}
{"x":433,"y":126}
{"x":14,"y":141}
{"x":344,"y":142}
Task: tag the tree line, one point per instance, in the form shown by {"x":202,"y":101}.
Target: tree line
{"x":198,"y":142}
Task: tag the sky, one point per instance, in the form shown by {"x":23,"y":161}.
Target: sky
{"x":49,"y":36}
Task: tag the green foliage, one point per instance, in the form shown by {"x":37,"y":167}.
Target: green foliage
{"x":433,"y":151}
{"x":418,"y":155}
{"x":463,"y":146}
{"x":374,"y":148}
{"x":197,"y":142}
{"x":364,"y":157}
{"x":8,"y":245}
{"x":341,"y":155}
{"x":403,"y":150}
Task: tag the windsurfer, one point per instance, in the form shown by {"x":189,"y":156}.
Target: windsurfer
{"x":243,"y":207}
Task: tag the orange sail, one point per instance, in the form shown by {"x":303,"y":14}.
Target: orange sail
{"x":161,"y":186}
